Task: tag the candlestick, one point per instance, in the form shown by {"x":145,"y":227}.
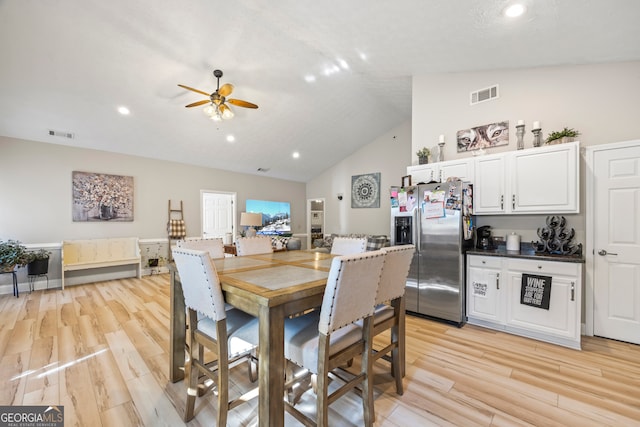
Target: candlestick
{"x":536,"y":125}
{"x":441,"y":139}
{"x":441,"y":151}
{"x":520,"y":135}
{"x":520,"y":122}
{"x":537,"y":137}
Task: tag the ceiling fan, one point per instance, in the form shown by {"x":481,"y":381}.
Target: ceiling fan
{"x":218,"y":108}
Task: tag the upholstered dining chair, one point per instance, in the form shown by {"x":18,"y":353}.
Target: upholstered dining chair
{"x":322,"y":341}
{"x":227,"y":333}
{"x":214,"y":246}
{"x":348,"y":245}
{"x":253,"y":245}
{"x":389,"y":313}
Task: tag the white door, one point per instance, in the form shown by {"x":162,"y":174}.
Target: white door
{"x":489,"y":186}
{"x":217,"y":214}
{"x":617,"y":243}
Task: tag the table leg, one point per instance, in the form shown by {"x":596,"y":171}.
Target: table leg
{"x":271,"y":367}
{"x":177,"y":331}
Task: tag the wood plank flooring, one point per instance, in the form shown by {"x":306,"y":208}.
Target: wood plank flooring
{"x":102,"y":351}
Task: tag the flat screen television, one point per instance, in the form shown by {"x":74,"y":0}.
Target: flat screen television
{"x":276,"y":216}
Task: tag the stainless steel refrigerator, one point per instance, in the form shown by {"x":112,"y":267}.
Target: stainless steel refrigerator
{"x":437,"y":219}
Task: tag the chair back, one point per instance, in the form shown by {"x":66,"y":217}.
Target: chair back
{"x":253,"y":245}
{"x":348,"y":245}
{"x":351,"y":290}
{"x":214,"y":246}
{"x":200,"y":283}
{"x":394,"y":272}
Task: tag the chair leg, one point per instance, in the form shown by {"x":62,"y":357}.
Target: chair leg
{"x":192,"y":389}
{"x":367,"y":370}
{"x":322,"y":391}
{"x":223,"y":374}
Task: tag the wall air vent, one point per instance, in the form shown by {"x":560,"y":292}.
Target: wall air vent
{"x":264,"y":170}
{"x":68,"y":135}
{"x":486,"y":94}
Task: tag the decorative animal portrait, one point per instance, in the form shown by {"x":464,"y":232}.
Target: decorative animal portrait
{"x":486,"y":136}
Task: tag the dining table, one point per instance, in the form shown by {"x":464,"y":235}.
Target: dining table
{"x":271,"y":287}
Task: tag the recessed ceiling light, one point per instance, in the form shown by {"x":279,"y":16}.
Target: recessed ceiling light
{"x":343,"y":64}
{"x":124,"y":111}
{"x":309,"y":78}
{"x":295,"y":154}
{"x":514,"y":10}
{"x":231,"y":138}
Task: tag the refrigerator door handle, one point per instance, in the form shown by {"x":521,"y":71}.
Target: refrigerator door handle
{"x":416,"y":232}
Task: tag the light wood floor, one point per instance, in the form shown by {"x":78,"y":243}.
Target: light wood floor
{"x":101,"y":350}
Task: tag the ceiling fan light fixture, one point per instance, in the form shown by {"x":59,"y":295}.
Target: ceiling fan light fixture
{"x":209,"y":110}
{"x":227,"y":114}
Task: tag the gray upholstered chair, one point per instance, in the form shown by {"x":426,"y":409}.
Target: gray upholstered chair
{"x":389,"y":314}
{"x":214,"y":246}
{"x":253,"y":245}
{"x":348,"y":245}
{"x":322,"y":341}
{"x":227,"y":333}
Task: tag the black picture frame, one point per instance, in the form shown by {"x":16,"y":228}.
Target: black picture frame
{"x":406,"y":181}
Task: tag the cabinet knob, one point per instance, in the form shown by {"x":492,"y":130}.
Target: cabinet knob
{"x":573,"y":291}
{"x":484,"y":262}
{"x":539,"y":267}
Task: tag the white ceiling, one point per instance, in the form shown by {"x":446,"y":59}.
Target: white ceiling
{"x":67,"y":65}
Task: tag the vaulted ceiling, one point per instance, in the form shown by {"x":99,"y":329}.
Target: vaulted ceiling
{"x":328,"y":76}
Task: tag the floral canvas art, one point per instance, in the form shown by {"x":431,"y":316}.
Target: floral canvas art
{"x":102,"y":197}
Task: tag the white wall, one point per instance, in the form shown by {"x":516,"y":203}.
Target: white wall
{"x":601,"y":101}
{"x":389,"y":154}
{"x":35,"y":183}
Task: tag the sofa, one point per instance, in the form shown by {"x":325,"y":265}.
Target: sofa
{"x":374,"y":241}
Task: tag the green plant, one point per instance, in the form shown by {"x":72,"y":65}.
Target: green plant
{"x":423,"y":152}
{"x":12,"y":253}
{"x":39,"y":254}
{"x":569,"y":132}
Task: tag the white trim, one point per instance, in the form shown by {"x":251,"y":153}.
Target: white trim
{"x":590,"y":227}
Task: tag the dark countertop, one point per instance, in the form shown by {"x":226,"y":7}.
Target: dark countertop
{"x":526,"y":252}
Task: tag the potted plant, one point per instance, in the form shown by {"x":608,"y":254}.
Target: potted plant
{"x":38,"y":262}
{"x":560,"y":137}
{"x":423,"y":155}
{"x":12,"y":253}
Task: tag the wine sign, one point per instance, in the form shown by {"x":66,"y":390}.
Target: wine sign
{"x":535,"y":291}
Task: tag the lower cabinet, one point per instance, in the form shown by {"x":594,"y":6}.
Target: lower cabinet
{"x":507,"y":294}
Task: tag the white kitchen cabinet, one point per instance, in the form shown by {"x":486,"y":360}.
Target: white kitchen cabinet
{"x":462,"y":168}
{"x":423,"y":173}
{"x":484,"y":293}
{"x":502,"y":309}
{"x":545,"y":180}
{"x":489,"y":186}
{"x":537,"y":180}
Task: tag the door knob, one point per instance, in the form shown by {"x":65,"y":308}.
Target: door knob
{"x":602,"y":252}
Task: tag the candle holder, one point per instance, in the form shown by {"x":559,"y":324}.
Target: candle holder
{"x":441,"y":151}
{"x":520,"y":136}
{"x":537,"y":137}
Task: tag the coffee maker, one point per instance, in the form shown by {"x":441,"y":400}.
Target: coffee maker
{"x":483,"y":238}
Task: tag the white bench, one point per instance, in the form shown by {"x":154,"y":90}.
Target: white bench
{"x":98,"y":253}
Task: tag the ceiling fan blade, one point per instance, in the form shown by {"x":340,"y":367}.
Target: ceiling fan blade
{"x":194,"y":90}
{"x":225,"y":89}
{"x":195,"y":104}
{"x":241,"y":103}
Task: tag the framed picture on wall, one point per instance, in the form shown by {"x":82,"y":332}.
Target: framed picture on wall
{"x":406,"y":181}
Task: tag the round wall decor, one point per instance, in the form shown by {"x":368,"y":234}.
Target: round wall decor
{"x":365,"y":190}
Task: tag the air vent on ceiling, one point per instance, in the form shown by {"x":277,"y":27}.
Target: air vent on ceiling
{"x":265,"y":170}
{"x":486,"y":94}
{"x":68,"y":135}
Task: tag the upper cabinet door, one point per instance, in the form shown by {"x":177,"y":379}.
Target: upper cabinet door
{"x":489,"y":196}
{"x":462,"y":169}
{"x":545,"y":180}
{"x":424,"y":173}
